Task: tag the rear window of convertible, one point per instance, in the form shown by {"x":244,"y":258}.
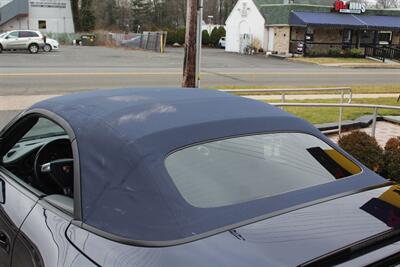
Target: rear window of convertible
{"x":242,"y":169}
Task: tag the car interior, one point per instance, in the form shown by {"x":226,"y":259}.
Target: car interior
{"x":38,"y":152}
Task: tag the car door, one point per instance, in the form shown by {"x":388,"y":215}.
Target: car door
{"x":11,"y":40}
{"x":14,"y":208}
{"x":24,"y":39}
{"x":38,"y":210}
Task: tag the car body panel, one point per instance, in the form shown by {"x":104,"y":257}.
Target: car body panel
{"x":373,"y":256}
{"x":53,"y":43}
{"x":12,"y":41}
{"x":13,"y":212}
{"x":306,"y":233}
{"x":44,"y":233}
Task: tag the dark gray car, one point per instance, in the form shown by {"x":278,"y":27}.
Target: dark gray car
{"x":174,"y":177}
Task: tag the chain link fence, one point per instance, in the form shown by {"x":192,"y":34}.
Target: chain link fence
{"x":153,"y":41}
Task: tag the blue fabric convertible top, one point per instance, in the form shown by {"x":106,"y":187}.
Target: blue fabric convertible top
{"x":123,"y":138}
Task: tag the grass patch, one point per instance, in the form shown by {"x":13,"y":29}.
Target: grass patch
{"x":324,"y":115}
{"x":334,"y":60}
{"x":357,"y":89}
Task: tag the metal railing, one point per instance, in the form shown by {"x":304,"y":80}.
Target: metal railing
{"x":284,"y":91}
{"x":375,"y":109}
{"x":382,"y":53}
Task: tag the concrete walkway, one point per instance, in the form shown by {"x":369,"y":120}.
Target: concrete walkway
{"x":384,"y":131}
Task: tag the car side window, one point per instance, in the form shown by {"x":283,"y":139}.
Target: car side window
{"x":13,"y":35}
{"x":42,"y":157}
{"x":24,"y":34}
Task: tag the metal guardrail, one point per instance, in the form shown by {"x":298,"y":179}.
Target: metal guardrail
{"x":375,"y":109}
{"x":283,"y":91}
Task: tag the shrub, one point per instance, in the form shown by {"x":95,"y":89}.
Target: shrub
{"x":312,"y":53}
{"x":180,"y":36}
{"x":364,"y":148}
{"x":334,"y":52}
{"x":205,"y":39}
{"x":171,"y":37}
{"x":214,"y":37}
{"x":221,"y":32}
{"x":256,"y":44}
{"x":354,"y":52}
{"x":392,"y":159}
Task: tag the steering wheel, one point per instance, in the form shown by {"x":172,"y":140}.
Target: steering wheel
{"x":53,"y":167}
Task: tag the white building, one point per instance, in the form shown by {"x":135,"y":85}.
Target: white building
{"x":244,"y":26}
{"x":51,"y":16}
{"x":317,"y":27}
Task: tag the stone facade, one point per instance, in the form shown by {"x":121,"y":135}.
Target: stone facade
{"x":327,"y":35}
{"x":297,"y":34}
{"x":281,"y":39}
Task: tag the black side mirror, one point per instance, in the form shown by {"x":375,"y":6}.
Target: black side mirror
{"x":7,"y":37}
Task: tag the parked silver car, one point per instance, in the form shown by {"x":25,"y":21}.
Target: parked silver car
{"x":32,"y":41}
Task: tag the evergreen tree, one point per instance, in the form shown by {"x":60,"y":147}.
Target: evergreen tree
{"x":205,"y":39}
{"x":140,"y":12}
{"x":88,"y":19}
{"x":75,"y":14}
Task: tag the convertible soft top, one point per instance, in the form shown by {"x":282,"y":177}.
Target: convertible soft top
{"x":123,"y":137}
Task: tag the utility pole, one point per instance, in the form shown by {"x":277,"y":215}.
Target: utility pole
{"x":189,"y":64}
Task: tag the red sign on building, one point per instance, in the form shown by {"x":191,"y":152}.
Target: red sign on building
{"x":349,"y":7}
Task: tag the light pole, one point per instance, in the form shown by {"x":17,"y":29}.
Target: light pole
{"x":199,"y":41}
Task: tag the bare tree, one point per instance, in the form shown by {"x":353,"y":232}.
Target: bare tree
{"x":150,"y":14}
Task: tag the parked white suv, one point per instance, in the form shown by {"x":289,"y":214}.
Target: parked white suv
{"x":32,"y":41}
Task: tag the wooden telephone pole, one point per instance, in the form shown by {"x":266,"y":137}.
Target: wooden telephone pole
{"x":189,"y":65}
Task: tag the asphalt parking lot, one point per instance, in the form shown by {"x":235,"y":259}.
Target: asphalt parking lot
{"x":86,"y":68}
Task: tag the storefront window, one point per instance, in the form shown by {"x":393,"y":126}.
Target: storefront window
{"x":385,"y":37}
{"x":367,"y":37}
{"x":347,"y":36}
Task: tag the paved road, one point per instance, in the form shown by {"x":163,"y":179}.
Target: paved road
{"x":86,"y":68}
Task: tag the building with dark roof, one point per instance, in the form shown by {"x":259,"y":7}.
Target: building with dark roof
{"x":318,"y":26}
{"x":48,"y":16}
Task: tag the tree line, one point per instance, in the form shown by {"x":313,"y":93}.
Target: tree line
{"x":151,"y":15}
{"x":142,"y":15}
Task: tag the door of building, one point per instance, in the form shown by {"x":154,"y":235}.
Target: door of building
{"x":271,"y":35}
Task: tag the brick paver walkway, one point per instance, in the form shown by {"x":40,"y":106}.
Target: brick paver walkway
{"x":384,"y":131}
